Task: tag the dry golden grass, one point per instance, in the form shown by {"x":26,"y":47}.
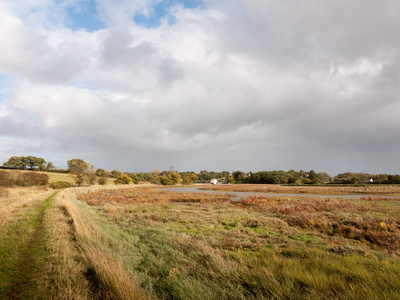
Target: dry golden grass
{"x":19,"y":198}
{"x":65,"y":271}
{"x":309,"y":189}
{"x":52,"y":176}
{"x":111,"y":279}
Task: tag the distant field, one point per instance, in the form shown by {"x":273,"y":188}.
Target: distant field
{"x":137,"y":242}
{"x":59,"y":176}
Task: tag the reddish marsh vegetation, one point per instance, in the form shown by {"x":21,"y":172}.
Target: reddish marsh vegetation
{"x":148,"y":195}
{"x":311,"y":189}
{"x":378,"y":225}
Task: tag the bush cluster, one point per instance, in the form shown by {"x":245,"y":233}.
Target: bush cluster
{"x":56,"y":184}
{"x":10,"y":179}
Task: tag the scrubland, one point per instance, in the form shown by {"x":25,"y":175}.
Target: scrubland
{"x":142,"y":243}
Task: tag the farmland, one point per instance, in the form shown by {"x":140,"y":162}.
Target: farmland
{"x":143,"y":243}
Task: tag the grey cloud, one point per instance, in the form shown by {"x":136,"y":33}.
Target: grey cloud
{"x":253,"y":85}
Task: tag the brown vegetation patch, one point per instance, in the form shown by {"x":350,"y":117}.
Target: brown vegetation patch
{"x":147,"y":195}
{"x":348,"y":218}
{"x":311,"y":189}
{"x":17,"y":178}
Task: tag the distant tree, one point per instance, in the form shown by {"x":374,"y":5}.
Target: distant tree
{"x":33,"y":161}
{"x":23,"y":162}
{"x":204,"y":176}
{"x":229,"y":179}
{"x":394,"y":179}
{"x":165,"y":180}
{"x":16,"y":162}
{"x":312,"y":175}
{"x":49,"y":166}
{"x":123,"y":179}
{"x":193,"y":177}
{"x":186,"y":180}
{"x":78,"y":168}
{"x":116,"y":173}
{"x":381,"y":178}
{"x":100,"y":172}
{"x":174,"y":177}
{"x":239,"y":176}
{"x":134,"y":177}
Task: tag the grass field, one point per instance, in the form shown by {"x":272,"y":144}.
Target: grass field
{"x":59,"y":176}
{"x":141,"y":243}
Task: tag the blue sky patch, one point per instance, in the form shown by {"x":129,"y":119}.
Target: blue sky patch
{"x":85,"y":16}
{"x":160,"y":10}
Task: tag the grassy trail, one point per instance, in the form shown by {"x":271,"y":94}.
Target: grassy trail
{"x":29,"y":258}
{"x":38,"y":256}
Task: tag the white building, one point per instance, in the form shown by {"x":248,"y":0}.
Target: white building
{"x":214,"y":181}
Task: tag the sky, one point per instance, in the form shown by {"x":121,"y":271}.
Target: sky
{"x":138,"y":85}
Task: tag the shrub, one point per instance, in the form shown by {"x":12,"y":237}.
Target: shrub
{"x":102,"y":180}
{"x":55,"y":184}
{"x":165,"y":180}
{"x":123,"y":179}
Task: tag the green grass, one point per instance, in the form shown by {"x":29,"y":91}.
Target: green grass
{"x":22,"y":250}
{"x":219,"y":251}
{"x":136,"y":244}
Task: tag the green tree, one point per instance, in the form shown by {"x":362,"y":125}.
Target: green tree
{"x":135,"y":178}
{"x":16,"y":162}
{"x":116,"y":173}
{"x":78,"y":168}
{"x":34,"y":162}
{"x":123,"y":179}
{"x":186,"y":180}
{"x":174,"y":177}
{"x":100,"y":172}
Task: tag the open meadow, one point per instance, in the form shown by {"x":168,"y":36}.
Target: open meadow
{"x":137,"y":242}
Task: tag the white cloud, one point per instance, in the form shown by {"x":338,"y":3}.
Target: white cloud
{"x":261,"y":85}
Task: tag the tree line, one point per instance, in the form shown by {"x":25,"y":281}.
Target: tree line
{"x":28,"y":163}
{"x":84,"y":172}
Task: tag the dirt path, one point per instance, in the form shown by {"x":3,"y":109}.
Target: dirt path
{"x":24,"y":286}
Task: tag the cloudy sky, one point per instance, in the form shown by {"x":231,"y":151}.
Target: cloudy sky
{"x":250,"y":85}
